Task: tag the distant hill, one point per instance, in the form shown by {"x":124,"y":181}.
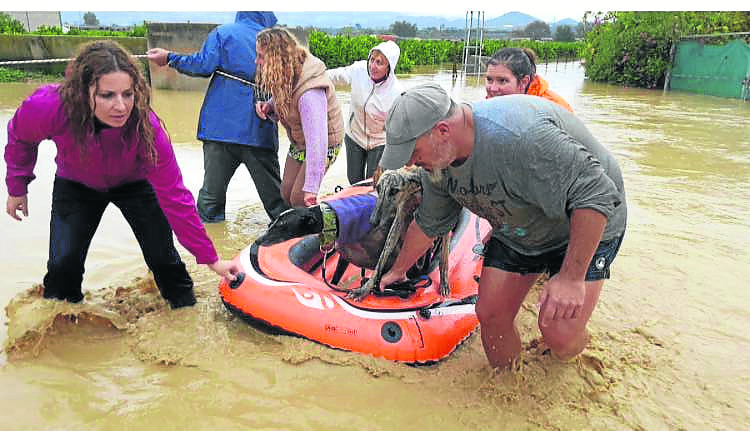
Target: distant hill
{"x":513,"y":19}
{"x":567,"y":21}
{"x":374,"y":20}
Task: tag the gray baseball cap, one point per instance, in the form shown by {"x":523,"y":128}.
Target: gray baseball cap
{"x":414,"y":113}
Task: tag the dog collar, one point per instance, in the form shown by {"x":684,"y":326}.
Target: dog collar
{"x":328,"y":234}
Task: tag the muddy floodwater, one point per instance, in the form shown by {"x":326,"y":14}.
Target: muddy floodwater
{"x":669,"y":346}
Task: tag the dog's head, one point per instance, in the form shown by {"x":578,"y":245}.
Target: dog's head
{"x":292,"y":223}
{"x":396,"y":188}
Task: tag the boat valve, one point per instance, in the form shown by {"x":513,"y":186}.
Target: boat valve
{"x":238,"y":279}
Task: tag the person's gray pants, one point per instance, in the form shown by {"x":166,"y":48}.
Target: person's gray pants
{"x":220,"y":161}
{"x":361,"y":163}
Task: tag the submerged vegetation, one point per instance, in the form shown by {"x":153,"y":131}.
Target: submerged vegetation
{"x":14,"y":75}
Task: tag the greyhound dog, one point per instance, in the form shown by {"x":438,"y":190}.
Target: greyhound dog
{"x":399,"y":193}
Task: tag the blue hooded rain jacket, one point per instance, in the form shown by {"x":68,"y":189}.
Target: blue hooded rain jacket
{"x":228,"y":112}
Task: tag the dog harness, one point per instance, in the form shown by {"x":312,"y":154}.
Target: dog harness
{"x":347,"y":220}
{"x":328,"y":233}
{"x":353,"y":214}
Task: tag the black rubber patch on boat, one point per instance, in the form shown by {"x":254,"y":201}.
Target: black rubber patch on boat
{"x":391,"y":332}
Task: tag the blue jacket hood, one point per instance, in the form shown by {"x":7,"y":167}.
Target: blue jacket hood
{"x":264,"y":19}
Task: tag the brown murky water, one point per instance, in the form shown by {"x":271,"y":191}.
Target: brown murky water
{"x":669,"y":341}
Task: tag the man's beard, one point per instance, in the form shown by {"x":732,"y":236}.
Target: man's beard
{"x":437,"y":175}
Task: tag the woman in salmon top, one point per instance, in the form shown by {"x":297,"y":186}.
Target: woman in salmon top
{"x":513,"y":71}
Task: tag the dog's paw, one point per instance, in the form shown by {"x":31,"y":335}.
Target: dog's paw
{"x":358,"y":294}
{"x":445,"y":289}
{"x":361,"y":292}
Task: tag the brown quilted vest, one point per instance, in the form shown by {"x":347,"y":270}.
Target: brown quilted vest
{"x":314,"y":76}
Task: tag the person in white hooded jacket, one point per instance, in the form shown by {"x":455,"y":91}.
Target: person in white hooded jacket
{"x":374,"y":86}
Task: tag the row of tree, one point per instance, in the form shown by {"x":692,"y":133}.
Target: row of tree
{"x":540,"y":30}
{"x":537,"y":30}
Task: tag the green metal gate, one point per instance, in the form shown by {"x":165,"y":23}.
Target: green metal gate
{"x":718,"y":70}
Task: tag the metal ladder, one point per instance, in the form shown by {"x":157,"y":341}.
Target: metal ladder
{"x":474,"y":40}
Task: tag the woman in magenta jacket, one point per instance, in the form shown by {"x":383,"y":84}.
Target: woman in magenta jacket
{"x":111,"y":147}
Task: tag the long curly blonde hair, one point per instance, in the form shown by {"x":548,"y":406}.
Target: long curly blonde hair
{"x":283,"y":57}
{"x":94,"y":60}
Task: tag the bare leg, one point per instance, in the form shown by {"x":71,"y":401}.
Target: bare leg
{"x":291,"y":169}
{"x":568,"y":337}
{"x":501,"y":294}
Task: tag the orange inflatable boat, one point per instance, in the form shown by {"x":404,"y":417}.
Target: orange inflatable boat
{"x":282,"y":290}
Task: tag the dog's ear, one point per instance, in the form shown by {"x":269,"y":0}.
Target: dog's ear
{"x":390,"y":183}
{"x":308,"y":220}
{"x":313,"y":219}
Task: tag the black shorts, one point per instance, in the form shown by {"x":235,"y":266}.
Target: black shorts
{"x":500,"y":256}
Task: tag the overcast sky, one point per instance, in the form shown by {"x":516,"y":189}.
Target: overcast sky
{"x":547,"y":10}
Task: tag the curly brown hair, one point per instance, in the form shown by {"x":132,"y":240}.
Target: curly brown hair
{"x":94,"y":60}
{"x":282,"y":66}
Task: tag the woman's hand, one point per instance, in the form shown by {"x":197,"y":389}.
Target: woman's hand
{"x":225,"y":268}
{"x":15,"y":204}
{"x":264,"y":110}
{"x":158,"y":56}
{"x":310,"y":199}
{"x":376,"y":176}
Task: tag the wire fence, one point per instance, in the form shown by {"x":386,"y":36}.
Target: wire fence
{"x":259,"y":94}
{"x":48,"y":60}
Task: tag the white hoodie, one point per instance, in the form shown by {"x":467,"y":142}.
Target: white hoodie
{"x":369,"y":101}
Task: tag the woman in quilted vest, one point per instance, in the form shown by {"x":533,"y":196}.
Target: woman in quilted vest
{"x":304,"y":102}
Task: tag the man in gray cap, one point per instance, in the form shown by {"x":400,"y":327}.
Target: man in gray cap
{"x":554,"y":197}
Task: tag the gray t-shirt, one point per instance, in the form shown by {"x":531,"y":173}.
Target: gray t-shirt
{"x":532,"y":163}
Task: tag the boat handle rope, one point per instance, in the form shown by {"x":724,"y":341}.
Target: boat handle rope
{"x":326,"y":253}
{"x":478,"y":248}
{"x":402,"y":289}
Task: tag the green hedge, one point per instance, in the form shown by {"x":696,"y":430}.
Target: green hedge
{"x":13,"y":75}
{"x":137,"y":31}
{"x":633,"y":48}
{"x":341,"y":50}
{"x":544,"y":50}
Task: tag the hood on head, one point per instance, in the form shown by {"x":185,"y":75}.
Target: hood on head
{"x":265,"y":19}
{"x":391,"y":51}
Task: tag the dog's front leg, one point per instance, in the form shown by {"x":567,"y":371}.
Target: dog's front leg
{"x":445,"y":288}
{"x":394,"y":234}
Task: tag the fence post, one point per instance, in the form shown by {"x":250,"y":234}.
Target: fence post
{"x":668,"y":78}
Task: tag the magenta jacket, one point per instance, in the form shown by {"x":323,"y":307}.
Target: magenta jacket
{"x":112,"y":160}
